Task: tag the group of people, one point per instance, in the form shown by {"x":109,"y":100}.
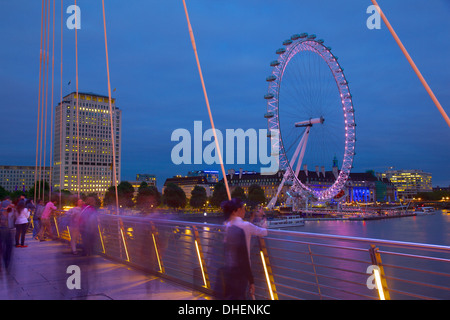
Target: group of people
{"x":16,"y":216}
{"x":82,"y":222}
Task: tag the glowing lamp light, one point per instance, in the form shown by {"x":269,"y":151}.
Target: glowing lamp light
{"x":125,"y":245}
{"x":376,"y":273}
{"x":157,"y":253}
{"x":101,"y":239}
{"x":266,"y":273}
{"x":201,"y":264}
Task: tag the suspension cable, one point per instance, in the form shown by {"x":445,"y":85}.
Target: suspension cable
{"x":191,"y":34}
{"x":77,"y":98}
{"x":110,"y":110}
{"x":413,"y":65}
{"x":61,"y":113}
{"x":46,"y":102}
{"x":39,"y":104}
{"x":51,"y":118}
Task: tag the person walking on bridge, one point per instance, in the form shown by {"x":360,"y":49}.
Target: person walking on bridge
{"x":74,"y":224}
{"x":238,"y":273}
{"x":45,"y":220}
{"x":21,"y":223}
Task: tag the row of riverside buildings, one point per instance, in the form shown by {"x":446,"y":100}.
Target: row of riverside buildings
{"x":366,"y":187}
{"x":88,"y":149}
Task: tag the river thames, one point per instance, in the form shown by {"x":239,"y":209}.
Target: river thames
{"x":429,"y":229}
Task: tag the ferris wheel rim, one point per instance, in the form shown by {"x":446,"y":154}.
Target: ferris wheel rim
{"x":293,"y":46}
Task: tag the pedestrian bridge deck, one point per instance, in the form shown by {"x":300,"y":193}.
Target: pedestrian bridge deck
{"x":179,"y":260}
{"x":39,"y":272}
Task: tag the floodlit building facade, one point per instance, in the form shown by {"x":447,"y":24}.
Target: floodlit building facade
{"x":409,"y":182}
{"x":94,"y":157}
{"x":22,"y":178}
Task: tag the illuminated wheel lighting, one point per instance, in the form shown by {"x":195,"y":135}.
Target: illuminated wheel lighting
{"x":307,"y":82}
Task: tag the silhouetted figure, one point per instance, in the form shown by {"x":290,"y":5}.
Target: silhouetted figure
{"x":237,"y":272}
{"x":74,"y":215}
{"x":88,"y":226}
{"x":21,"y":223}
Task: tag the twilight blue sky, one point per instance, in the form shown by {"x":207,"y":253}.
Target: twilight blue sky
{"x":153,"y":67}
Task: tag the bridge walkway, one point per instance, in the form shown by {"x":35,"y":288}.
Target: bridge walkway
{"x":40,"y":272}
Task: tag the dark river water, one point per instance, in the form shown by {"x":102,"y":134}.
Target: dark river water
{"x":429,"y":229}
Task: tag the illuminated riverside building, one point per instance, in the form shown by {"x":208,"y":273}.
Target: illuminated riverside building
{"x":21,"y":178}
{"x":188,"y":184}
{"x":211,"y":176}
{"x":364,"y":187}
{"x":96,"y":148}
{"x":268,"y":183}
{"x":150,"y":179}
{"x":409,"y":182}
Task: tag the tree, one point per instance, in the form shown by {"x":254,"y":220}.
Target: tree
{"x":42,"y":187}
{"x":219,"y":194}
{"x":256,"y":195}
{"x":148,"y":197}
{"x":3,"y":193}
{"x":174,"y":196}
{"x":198,"y":197}
{"x":96,"y":198}
{"x":125,"y":192}
{"x":239,"y":192}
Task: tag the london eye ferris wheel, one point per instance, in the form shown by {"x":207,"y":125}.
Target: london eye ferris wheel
{"x":310,"y":107}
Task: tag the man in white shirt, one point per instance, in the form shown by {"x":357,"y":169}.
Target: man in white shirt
{"x":237,"y":250}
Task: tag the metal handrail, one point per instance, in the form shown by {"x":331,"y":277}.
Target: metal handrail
{"x":286,"y":264}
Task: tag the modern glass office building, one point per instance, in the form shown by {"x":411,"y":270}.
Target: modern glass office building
{"x":88,"y":168}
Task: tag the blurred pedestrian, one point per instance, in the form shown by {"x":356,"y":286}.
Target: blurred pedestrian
{"x":37,"y":218}
{"x":46,"y":226}
{"x":238,"y":274}
{"x":88,"y":226}
{"x":21,"y":223}
{"x":5,"y":236}
{"x":29,"y":204}
{"x":258,"y":218}
{"x":74,"y":215}
{"x":5,"y":203}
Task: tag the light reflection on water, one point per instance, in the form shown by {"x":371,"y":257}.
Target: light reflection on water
{"x":430,"y":229}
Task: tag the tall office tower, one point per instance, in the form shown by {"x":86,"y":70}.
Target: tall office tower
{"x":95,"y":158}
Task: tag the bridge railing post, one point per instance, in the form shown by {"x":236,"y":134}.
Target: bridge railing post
{"x":314,"y":268}
{"x":201,"y":259}
{"x":267,"y":269}
{"x":155,"y":240}
{"x":124,"y":240}
{"x":380,"y":278}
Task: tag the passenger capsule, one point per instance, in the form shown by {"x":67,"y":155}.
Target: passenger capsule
{"x":271,"y":78}
{"x":311,"y":36}
{"x":320,"y":41}
{"x":328,"y":48}
{"x":274,"y":63}
{"x":280,"y":51}
{"x":303,"y":35}
{"x":268,"y":96}
{"x":295,"y":37}
{"x":269,"y":115}
{"x":287,"y":42}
